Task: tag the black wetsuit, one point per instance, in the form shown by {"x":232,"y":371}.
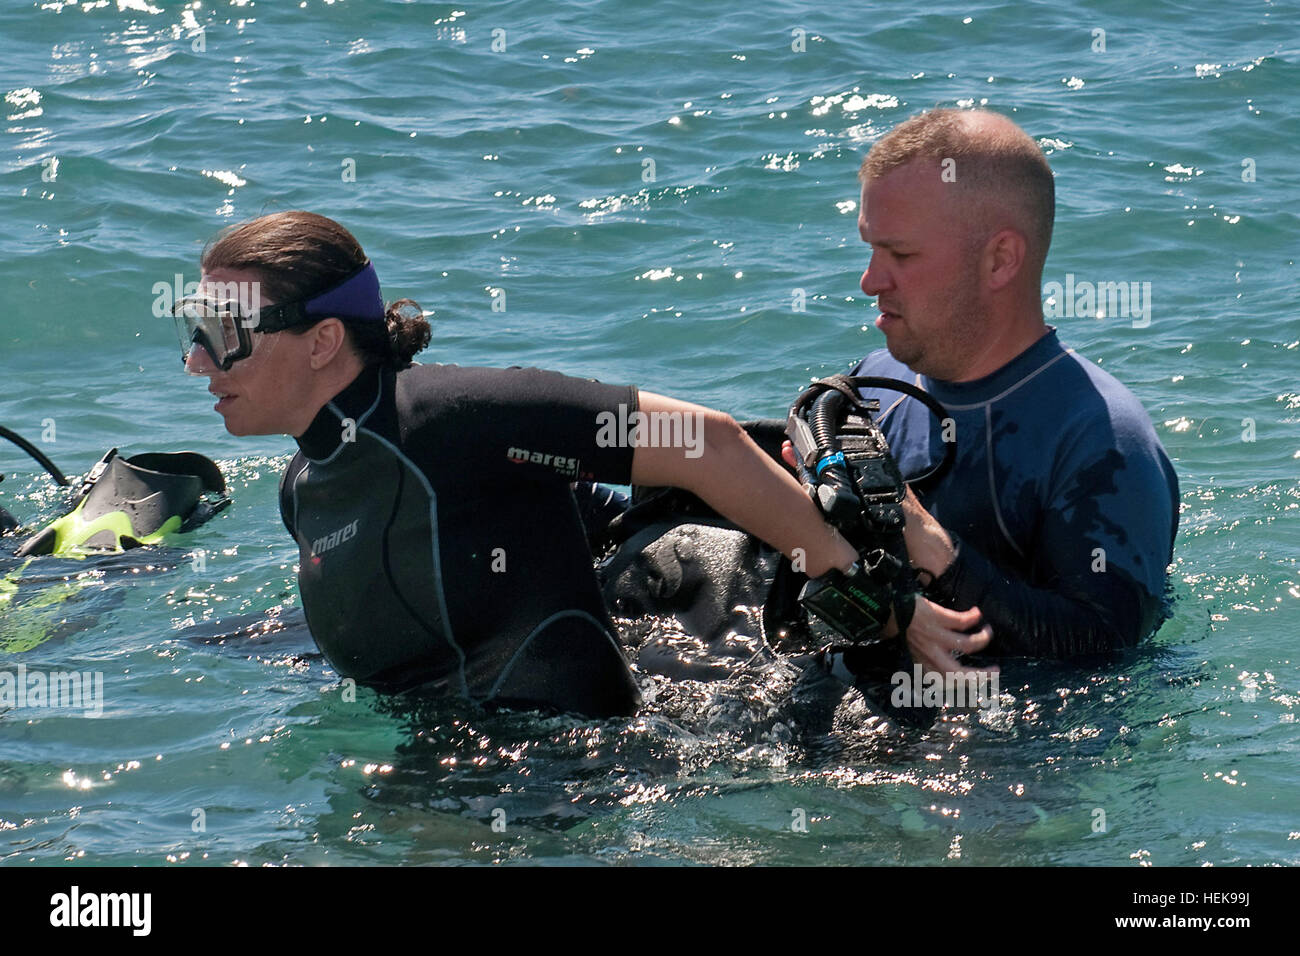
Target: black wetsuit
{"x":439,"y":540}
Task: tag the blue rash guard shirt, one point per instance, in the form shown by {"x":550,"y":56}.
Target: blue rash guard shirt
{"x":1061,"y":501}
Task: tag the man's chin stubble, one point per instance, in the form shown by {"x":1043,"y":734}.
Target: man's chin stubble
{"x":905,"y":353}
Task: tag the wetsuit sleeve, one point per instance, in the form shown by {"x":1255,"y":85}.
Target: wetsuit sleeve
{"x":1076,"y":616}
{"x":1101,"y":552}
{"x":545,"y":426}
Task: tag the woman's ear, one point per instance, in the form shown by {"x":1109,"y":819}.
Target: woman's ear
{"x":328,"y":339}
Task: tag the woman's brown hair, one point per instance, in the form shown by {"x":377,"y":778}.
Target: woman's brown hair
{"x":298,"y":254}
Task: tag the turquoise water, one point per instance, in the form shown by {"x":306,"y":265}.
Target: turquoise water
{"x":130,"y":137}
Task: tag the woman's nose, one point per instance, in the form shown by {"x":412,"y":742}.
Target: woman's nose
{"x":198,"y":362}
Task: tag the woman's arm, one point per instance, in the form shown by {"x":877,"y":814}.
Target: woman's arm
{"x":707,"y":453}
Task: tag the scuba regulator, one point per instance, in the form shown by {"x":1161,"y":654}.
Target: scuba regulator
{"x":845,"y":465}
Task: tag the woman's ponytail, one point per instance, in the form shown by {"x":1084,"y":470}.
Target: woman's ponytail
{"x":408,"y":331}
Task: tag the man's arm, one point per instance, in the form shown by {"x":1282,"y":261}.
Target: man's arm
{"x":1089,"y":609}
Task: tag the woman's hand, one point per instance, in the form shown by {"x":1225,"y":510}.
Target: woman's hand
{"x":929,"y":546}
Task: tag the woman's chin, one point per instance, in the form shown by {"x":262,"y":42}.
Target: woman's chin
{"x":242,"y":428}
{"x":237,"y":427}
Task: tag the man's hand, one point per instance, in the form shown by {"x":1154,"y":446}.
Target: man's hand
{"x":936,"y":636}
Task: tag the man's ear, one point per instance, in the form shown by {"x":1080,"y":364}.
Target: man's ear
{"x":1004,"y":257}
{"x":328,"y":339}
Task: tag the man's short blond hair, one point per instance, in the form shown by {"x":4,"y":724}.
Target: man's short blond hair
{"x":995,"y":165}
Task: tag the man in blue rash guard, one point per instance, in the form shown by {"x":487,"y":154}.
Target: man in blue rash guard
{"x":1056,"y":522}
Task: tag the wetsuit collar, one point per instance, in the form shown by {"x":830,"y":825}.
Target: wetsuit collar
{"x":958,"y":394}
{"x":326,"y":433}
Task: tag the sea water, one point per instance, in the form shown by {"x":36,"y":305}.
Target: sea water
{"x":662,"y":194}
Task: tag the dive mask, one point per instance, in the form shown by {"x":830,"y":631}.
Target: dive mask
{"x":221,"y":320}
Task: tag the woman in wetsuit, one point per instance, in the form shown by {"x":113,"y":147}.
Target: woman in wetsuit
{"x":438,"y":537}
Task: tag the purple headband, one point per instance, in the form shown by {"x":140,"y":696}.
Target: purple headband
{"x":357,"y":297}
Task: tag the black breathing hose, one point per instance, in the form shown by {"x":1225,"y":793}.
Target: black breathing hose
{"x":36,"y":453}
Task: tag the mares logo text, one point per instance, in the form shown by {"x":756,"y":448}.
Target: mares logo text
{"x":565,"y":466}
{"x":333,"y":540}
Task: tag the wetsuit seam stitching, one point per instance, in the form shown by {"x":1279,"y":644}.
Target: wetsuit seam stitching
{"x":898,"y":401}
{"x":338,"y":412}
{"x":1007,"y":391}
{"x":885,"y":414}
{"x":294,"y":491}
{"x":514,"y":658}
{"x":993,"y":489}
{"x":385,"y":556}
{"x":435,"y":553}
